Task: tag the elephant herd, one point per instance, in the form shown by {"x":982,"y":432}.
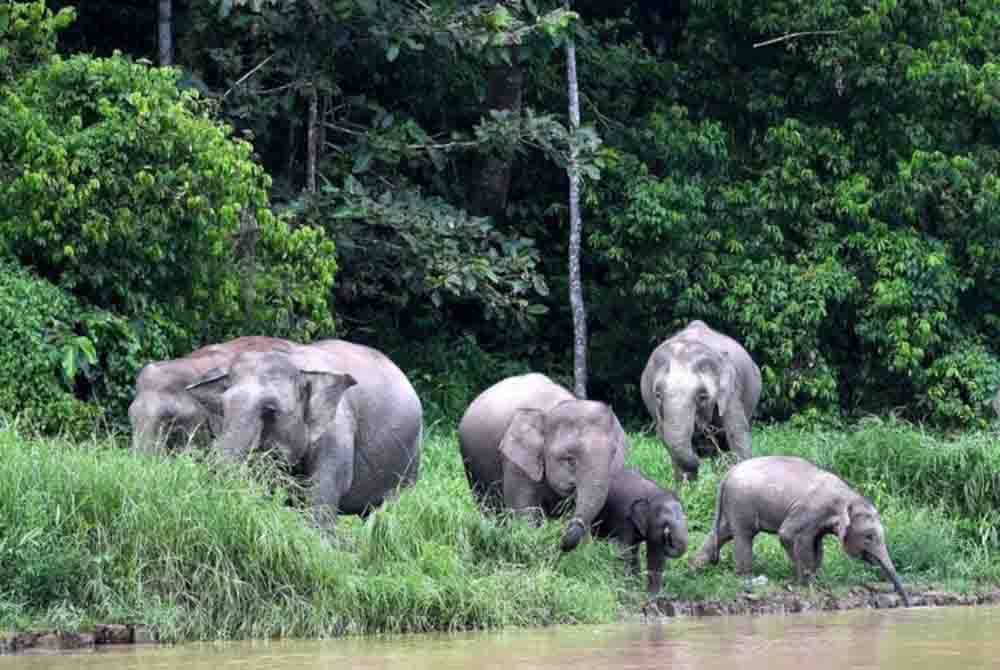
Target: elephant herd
{"x":347,"y":420}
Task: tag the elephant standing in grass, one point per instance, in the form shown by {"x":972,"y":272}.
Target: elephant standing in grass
{"x":638,"y":511}
{"x":802,"y":503}
{"x":702,"y":388}
{"x":528,"y":445}
{"x":341,"y":415}
{"x":164,"y":412}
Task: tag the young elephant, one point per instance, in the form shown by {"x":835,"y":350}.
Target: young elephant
{"x":528,"y":445}
{"x":701,"y":387}
{"x":802,"y":504}
{"x":637,"y":511}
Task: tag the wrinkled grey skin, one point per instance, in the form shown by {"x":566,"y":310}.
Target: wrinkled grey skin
{"x":702,"y":388}
{"x":342,"y":415}
{"x":164,"y":413}
{"x":802,"y":504}
{"x":637,"y":511}
{"x":528,"y":445}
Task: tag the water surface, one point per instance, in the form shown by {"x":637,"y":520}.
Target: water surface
{"x":956,"y":638}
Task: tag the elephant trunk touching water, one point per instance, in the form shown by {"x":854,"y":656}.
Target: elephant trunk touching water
{"x":529,"y":446}
{"x":801,"y":503}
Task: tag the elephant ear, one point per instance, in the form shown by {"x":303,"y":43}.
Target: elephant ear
{"x":727,"y":384}
{"x":524,"y":441}
{"x":638,"y":514}
{"x":619,"y":443}
{"x":320,"y":395}
{"x":842,"y":523}
{"x":209,"y":389}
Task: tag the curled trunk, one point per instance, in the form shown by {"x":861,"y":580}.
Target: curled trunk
{"x":590,"y":498}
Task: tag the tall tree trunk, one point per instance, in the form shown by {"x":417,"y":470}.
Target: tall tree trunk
{"x":575,"y":231}
{"x":312,"y":138}
{"x":165,"y":39}
{"x":505,"y":92}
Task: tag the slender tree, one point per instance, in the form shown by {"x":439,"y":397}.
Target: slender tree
{"x":165,"y":39}
{"x":575,"y":230}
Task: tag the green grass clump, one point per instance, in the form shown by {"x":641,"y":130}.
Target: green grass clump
{"x":202,"y":550}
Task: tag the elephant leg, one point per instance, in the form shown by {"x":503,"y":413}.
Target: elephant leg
{"x":737,"y":430}
{"x":817,"y":553}
{"x":712,"y":547}
{"x":332,"y":478}
{"x":521,"y":495}
{"x":743,"y":552}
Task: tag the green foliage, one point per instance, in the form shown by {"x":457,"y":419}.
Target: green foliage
{"x":42,"y":357}
{"x":127,"y":193}
{"x":28,"y":35}
{"x":69,"y":366}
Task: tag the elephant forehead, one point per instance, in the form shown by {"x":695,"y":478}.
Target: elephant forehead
{"x":579,"y":413}
{"x":262,"y":364}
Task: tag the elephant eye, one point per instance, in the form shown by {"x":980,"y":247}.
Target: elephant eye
{"x":703,"y":397}
{"x":659,"y":394}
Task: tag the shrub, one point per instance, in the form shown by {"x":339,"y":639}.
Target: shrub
{"x":127,"y":193}
{"x":38,"y":357}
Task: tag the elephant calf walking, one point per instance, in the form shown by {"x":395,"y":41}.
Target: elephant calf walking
{"x":802,"y":504}
{"x":638,"y":511}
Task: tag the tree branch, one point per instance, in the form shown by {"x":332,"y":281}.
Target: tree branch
{"x":792,"y":36}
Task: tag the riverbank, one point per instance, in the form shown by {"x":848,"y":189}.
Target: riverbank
{"x":196,"y":550}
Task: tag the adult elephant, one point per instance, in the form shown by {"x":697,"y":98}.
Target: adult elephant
{"x":342,"y":415}
{"x":529,"y":445}
{"x":163,"y":412}
{"x":702,"y":388}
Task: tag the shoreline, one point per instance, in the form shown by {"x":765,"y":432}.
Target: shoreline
{"x":749,"y":604}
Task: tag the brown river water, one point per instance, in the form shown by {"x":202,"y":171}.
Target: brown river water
{"x":935,"y":638}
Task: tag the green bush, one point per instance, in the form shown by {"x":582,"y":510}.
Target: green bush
{"x":28,"y":35}
{"x":38,"y":358}
{"x":126,"y":192}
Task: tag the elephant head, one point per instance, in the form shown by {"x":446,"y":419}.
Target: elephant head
{"x":574,"y":448}
{"x":661,"y":521}
{"x":266,"y":401}
{"x":862,"y":536}
{"x":692,"y":384}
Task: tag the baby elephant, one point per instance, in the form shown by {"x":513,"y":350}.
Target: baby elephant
{"x":639,"y":511}
{"x":802,"y":504}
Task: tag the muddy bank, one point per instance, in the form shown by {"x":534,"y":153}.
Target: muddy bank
{"x":793,"y":603}
{"x":748,"y":604}
{"x":54,"y":640}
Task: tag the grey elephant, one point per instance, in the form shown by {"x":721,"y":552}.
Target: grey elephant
{"x":637,"y":511}
{"x":528,"y":445}
{"x":341,"y":415}
{"x":163,"y":412}
{"x":702,"y":388}
{"x":802,"y":504}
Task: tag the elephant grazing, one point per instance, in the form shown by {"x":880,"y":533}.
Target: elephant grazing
{"x":163,"y":411}
{"x":528,"y":445}
{"x":702,"y":389}
{"x":341,"y":415}
{"x":638,"y":511}
{"x":802,"y":504}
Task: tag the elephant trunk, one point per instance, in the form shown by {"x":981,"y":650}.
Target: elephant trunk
{"x":676,"y":537}
{"x":889,"y":572}
{"x":591,"y":494}
{"x":241,"y":431}
{"x":676,"y":435}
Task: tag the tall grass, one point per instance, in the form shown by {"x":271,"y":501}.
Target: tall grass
{"x":204,"y":550}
